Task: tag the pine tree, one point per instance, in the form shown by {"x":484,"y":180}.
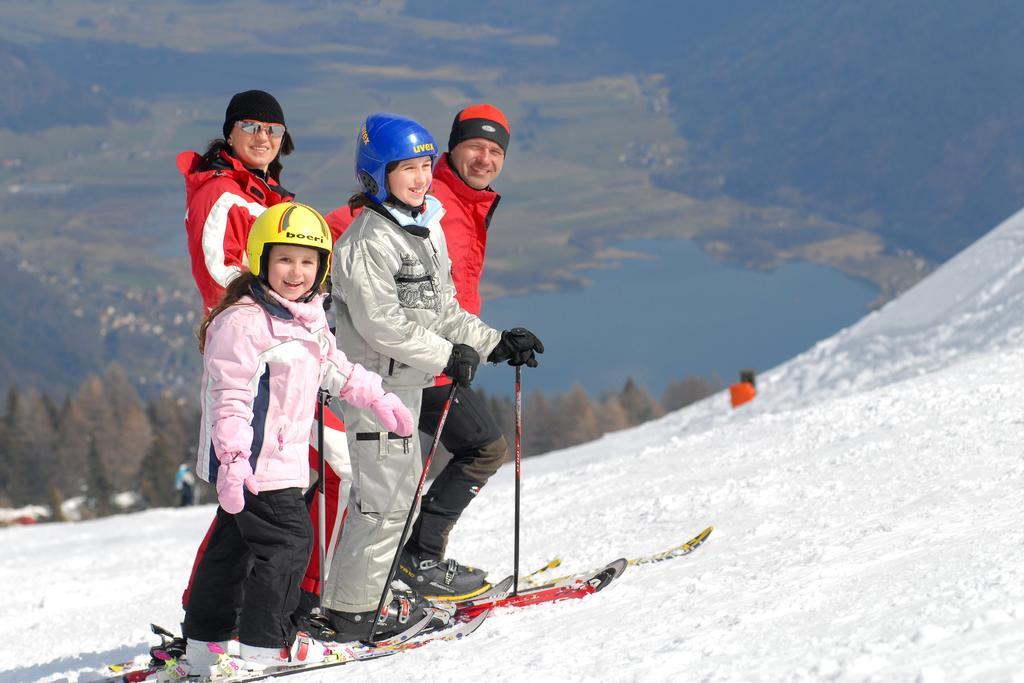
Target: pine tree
{"x":134,"y":432}
{"x":8,"y":470}
{"x":638,"y":404}
{"x":539,"y":434}
{"x":11,"y":404}
{"x":177,"y":422}
{"x":102,"y":434}
{"x":613,"y":415}
{"x":576,"y":419}
{"x":56,"y":503}
{"x":30,"y":440}
{"x":52,"y":411}
{"x":157,"y":474}
{"x":71,"y":449}
{"x":119,"y":438}
{"x":683,"y":392}
{"x":98,"y":488}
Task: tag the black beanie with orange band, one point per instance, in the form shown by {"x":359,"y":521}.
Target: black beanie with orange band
{"x":480,"y":121}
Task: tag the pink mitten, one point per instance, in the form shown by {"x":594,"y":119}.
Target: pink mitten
{"x":234,"y":473}
{"x":393,"y":414}
{"x":362,"y":387}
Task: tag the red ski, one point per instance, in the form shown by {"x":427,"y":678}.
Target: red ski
{"x":578,"y":588}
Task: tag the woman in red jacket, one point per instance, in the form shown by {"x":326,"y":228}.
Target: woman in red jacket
{"x":229,"y":185}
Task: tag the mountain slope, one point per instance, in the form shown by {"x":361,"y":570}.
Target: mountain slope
{"x":973,"y":304}
{"x":39,"y":96}
{"x":897,"y":117}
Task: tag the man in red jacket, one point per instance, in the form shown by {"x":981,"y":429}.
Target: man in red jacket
{"x":462,"y":182}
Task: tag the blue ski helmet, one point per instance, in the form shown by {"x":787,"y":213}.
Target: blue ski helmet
{"x":385,"y":138}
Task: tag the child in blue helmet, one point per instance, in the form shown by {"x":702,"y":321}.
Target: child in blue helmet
{"x":397,"y":315}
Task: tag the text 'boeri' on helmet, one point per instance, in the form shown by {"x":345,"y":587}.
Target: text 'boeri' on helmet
{"x":385,"y":138}
{"x":289,"y":223}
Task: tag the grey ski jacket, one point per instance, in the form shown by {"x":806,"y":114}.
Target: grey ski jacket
{"x":394,"y":298}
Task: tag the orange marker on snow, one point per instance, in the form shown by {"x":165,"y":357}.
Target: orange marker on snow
{"x":743,"y":391}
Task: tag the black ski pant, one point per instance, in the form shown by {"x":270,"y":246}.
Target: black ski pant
{"x":478,"y":449}
{"x":248,"y":578}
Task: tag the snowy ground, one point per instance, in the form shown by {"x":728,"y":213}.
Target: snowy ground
{"x":867,"y":509}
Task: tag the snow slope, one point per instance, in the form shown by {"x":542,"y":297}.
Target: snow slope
{"x":867,"y":513}
{"x":973,"y":304}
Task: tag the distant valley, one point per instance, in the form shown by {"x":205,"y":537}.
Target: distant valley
{"x":724,"y":135}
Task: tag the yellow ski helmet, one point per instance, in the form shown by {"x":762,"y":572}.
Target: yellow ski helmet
{"x":289,"y":223}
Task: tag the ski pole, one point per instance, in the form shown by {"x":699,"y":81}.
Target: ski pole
{"x":519,"y":472}
{"x":412,"y":509}
{"x":321,"y":501}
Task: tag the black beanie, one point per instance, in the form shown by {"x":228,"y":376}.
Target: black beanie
{"x":252,"y":104}
{"x":480,"y":121}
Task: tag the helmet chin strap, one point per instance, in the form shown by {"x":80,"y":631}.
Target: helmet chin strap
{"x":320,"y":277}
{"x":408,"y":208}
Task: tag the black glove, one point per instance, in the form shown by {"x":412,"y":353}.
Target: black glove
{"x":462,"y":364}
{"x":518,"y":346}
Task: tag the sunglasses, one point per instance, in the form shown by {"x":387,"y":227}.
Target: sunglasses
{"x":274,"y":130}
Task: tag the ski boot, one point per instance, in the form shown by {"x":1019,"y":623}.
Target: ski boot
{"x":304,"y":650}
{"x":170,"y":647}
{"x":166,"y":657}
{"x":406,"y":615}
{"x":440,"y":580}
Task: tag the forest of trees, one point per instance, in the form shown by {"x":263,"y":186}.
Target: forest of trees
{"x":104,"y":440}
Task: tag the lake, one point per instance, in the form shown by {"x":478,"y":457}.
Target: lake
{"x":676,"y":313}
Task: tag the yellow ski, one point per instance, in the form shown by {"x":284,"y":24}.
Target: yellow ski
{"x":536,"y":578}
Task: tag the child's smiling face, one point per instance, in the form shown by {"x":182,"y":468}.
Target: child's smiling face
{"x":410,"y":179}
{"x":291,"y":270}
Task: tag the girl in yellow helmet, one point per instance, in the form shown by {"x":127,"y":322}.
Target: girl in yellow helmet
{"x":266,"y":351}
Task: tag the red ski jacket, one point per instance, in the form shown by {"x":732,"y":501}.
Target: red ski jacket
{"x":221,"y":205}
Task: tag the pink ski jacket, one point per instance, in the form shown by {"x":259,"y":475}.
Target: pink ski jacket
{"x":264,"y":361}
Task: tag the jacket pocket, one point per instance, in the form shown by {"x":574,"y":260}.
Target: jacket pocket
{"x":283,"y":457}
{"x":418,"y":292}
{"x":289,"y":465}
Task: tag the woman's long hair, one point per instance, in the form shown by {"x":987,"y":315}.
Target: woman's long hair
{"x":236,"y":289}
{"x":218,"y":145}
